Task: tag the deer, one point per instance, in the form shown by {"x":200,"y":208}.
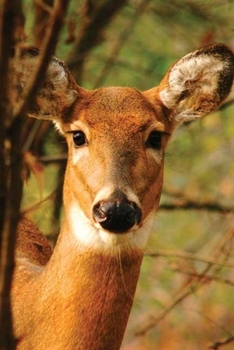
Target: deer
{"x":79,"y":296}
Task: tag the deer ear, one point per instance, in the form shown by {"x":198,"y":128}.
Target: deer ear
{"x":196,"y":84}
{"x":58,"y":92}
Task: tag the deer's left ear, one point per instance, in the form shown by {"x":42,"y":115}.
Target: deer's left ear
{"x":196,"y":84}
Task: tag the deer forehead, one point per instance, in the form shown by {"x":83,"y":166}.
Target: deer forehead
{"x":118,"y":109}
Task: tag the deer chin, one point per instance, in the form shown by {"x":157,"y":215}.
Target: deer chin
{"x":93,"y":236}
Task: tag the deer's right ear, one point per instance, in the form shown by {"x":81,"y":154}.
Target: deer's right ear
{"x":197,"y":84}
{"x":58,"y":92}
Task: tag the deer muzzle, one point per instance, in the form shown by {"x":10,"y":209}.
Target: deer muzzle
{"x":117,"y":214}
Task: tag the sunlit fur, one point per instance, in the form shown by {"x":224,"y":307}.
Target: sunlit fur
{"x":193,"y":83}
{"x":80,"y":297}
{"x":95,"y":237}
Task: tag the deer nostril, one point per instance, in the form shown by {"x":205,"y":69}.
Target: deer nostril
{"x":118,"y":215}
{"x":99,"y":214}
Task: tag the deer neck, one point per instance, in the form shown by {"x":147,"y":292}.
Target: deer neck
{"x":86,"y":296}
{"x":85,"y":292}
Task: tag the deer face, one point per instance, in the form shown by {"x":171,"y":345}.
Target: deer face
{"x":115,"y":167}
{"x":117,"y":137}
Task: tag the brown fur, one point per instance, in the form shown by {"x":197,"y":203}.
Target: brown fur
{"x":100,"y":289}
{"x":81,"y":297}
{"x":31,"y":244}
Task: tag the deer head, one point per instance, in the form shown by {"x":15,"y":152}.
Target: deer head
{"x":117,"y":136}
{"x":116,"y":141}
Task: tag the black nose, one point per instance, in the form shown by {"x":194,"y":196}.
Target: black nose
{"x":117,"y":214}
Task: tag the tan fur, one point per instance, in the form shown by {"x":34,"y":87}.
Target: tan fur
{"x":81,"y":302}
{"x":81,"y":298}
{"x":31,"y":244}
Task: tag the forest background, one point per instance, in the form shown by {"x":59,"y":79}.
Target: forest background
{"x":185,"y":293}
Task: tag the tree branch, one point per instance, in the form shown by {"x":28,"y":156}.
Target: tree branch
{"x":217,"y":345}
{"x":48,"y":48}
{"x":11,"y":159}
{"x":43,"y":12}
{"x":180,"y":202}
{"x":95,"y":19}
{"x":10,"y":163}
{"x":188,"y":204}
{"x":121,"y":40}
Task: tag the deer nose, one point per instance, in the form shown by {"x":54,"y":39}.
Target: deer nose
{"x":117,"y":214}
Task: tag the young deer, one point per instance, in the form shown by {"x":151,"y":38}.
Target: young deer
{"x":81,"y":297}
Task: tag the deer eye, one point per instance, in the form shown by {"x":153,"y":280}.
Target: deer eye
{"x":155,"y":140}
{"x":79,"y":138}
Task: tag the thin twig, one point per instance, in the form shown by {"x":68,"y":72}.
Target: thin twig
{"x":185,"y":255}
{"x":187,"y":204}
{"x":31,"y":136}
{"x":192,"y":286}
{"x":208,"y":278}
{"x":217,"y":345}
{"x":53,"y":159}
{"x":121,"y":41}
{"x":38,"y":204}
{"x":96,"y":18}
{"x":47,"y":8}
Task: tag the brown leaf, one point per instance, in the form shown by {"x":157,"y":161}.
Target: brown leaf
{"x":34,"y":166}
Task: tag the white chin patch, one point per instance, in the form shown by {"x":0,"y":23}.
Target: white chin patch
{"x":90,"y":237}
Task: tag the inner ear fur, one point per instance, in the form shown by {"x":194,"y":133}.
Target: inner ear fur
{"x":58,"y":91}
{"x":197,"y":84}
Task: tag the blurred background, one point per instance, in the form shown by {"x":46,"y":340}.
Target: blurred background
{"x":185,"y":295}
